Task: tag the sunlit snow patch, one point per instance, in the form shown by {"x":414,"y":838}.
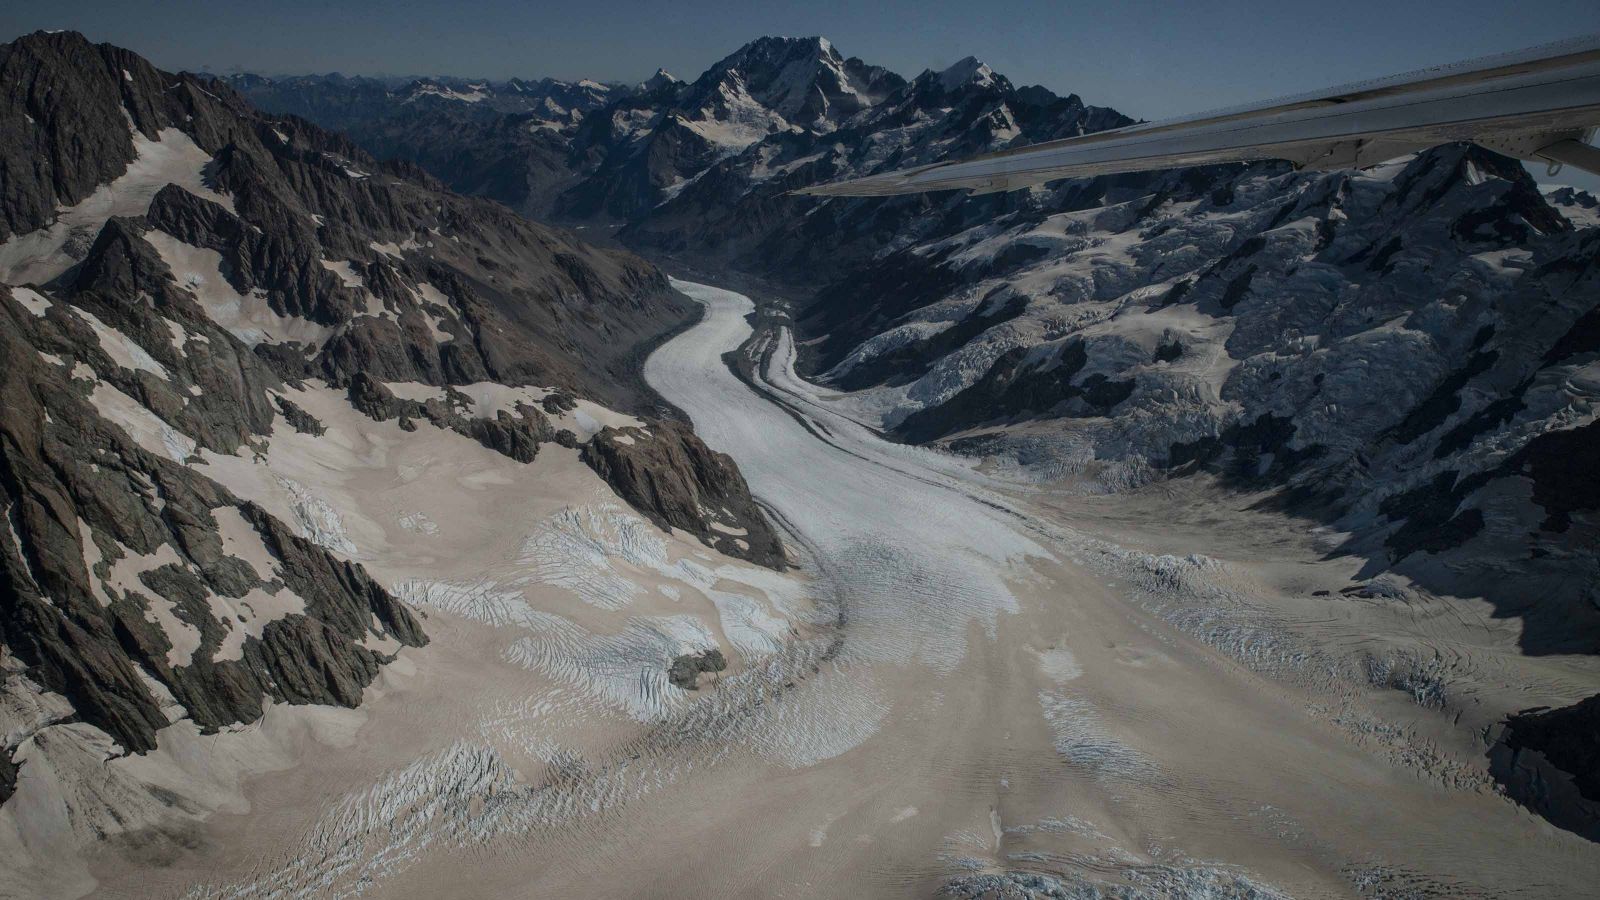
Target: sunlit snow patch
{"x":41,"y":255}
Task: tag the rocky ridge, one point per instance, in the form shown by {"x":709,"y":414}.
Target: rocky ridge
{"x":175,"y":266}
{"x":666,"y":472}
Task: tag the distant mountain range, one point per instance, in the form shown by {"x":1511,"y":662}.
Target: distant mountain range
{"x":339,"y":100}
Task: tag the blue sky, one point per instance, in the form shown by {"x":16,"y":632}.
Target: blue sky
{"x":1148,"y":60}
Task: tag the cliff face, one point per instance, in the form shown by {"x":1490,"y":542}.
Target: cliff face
{"x":1549,"y":760}
{"x":671,"y":476}
{"x":127,"y":581}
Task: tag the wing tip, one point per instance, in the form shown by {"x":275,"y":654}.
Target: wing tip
{"x":855,"y":187}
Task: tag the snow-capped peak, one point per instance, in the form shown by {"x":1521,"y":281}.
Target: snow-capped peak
{"x":662,"y":78}
{"x":968,"y":71}
{"x":473,"y":93}
{"x":804,"y":80}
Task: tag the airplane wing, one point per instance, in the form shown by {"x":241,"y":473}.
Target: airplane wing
{"x":1540,"y":104}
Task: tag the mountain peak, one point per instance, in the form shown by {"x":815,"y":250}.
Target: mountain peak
{"x":968,"y":71}
{"x":51,"y":34}
{"x":775,"y":48}
{"x":803,"y":80}
{"x":662,"y":78}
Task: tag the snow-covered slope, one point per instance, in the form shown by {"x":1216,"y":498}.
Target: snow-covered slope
{"x":1407,"y":352}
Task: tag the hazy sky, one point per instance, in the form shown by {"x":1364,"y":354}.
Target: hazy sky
{"x":1146,"y":59}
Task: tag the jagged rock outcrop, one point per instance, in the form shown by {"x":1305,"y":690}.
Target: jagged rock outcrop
{"x":298,"y":418}
{"x":1549,"y":760}
{"x":115,"y":574}
{"x":368,"y":266}
{"x":68,"y":104}
{"x":686,"y":670}
{"x":667,"y":473}
{"x":517,"y":436}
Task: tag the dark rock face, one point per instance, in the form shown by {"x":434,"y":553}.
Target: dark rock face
{"x":671,"y":476}
{"x":299,"y":419}
{"x":1561,"y":465}
{"x":1014,"y":386}
{"x":516,"y":302}
{"x":1549,"y":760}
{"x":913,"y":360}
{"x":67,"y":103}
{"x":80,"y":496}
{"x":517,"y":436}
{"x":372,"y":398}
{"x":8,"y":775}
{"x":686,"y":669}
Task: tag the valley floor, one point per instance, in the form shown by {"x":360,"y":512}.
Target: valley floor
{"x":994,"y":690}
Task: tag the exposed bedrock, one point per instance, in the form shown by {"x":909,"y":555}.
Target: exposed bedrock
{"x":667,"y":473}
{"x":686,"y":670}
{"x":1549,"y":760}
{"x":407,"y":280}
{"x":515,"y":435}
{"x":79,"y":99}
{"x":117,"y":586}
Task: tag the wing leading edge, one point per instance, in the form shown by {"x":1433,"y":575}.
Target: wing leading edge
{"x":1539,"y":104}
